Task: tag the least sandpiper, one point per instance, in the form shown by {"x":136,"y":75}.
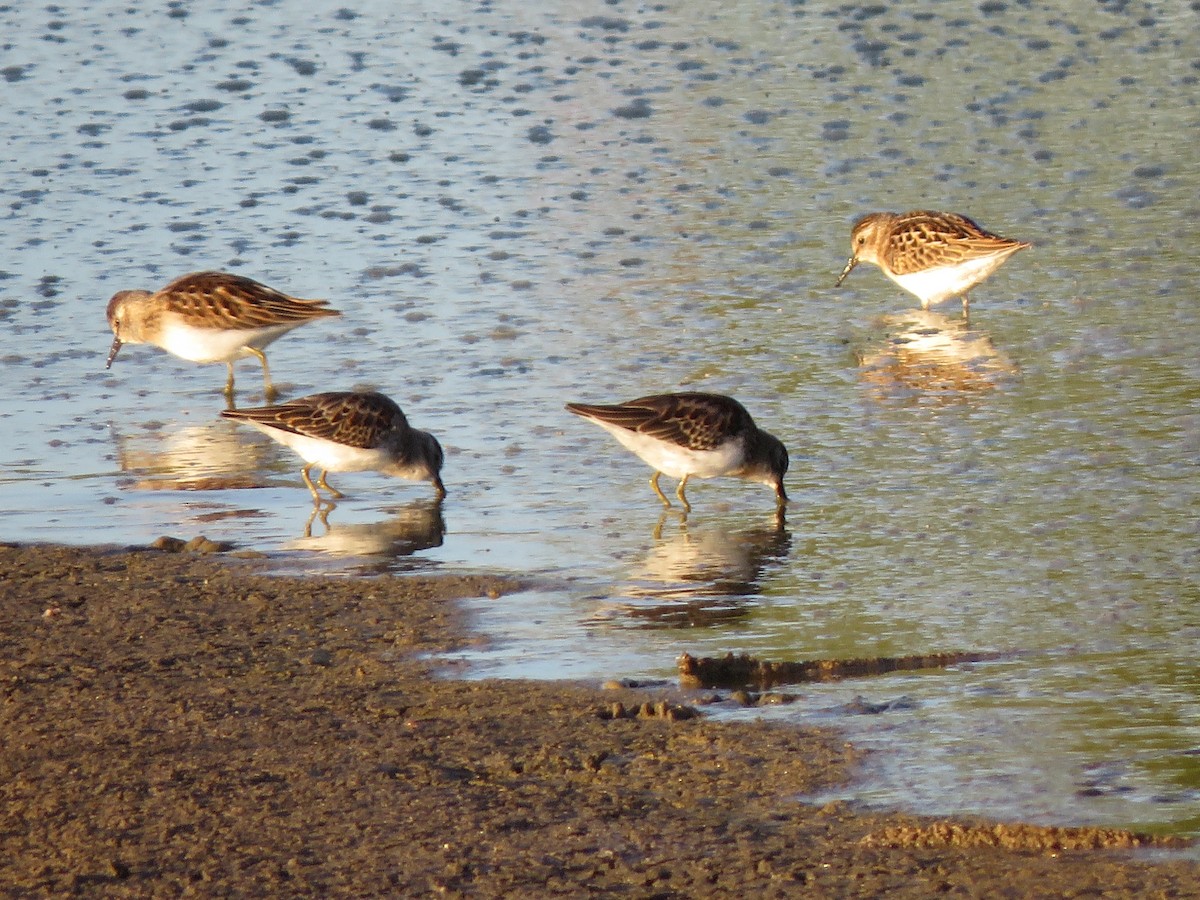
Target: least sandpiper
{"x":934,"y":255}
{"x":344,"y":431}
{"x":210,"y":317}
{"x":688,"y":434}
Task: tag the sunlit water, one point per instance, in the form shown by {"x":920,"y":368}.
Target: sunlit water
{"x":516,"y":205}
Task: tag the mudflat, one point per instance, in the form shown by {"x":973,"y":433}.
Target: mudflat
{"x":178,"y":723}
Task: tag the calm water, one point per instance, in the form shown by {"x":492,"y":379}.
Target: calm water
{"x":516,"y":205}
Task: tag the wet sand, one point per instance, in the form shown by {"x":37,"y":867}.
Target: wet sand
{"x":180,"y":722}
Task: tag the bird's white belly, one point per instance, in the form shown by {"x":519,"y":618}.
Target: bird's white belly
{"x":676,"y":461}
{"x":207,"y":345}
{"x":943,"y":282}
{"x":327,"y":454}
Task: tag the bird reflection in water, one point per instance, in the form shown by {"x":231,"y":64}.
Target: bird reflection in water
{"x":927,"y":356}
{"x":699,"y":576}
{"x":416,"y":526}
{"x":213,"y":456}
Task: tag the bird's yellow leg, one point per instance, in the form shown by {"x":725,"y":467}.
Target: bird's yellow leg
{"x":687,"y":507}
{"x":229,"y":381}
{"x":312,"y":488}
{"x":329,"y":487}
{"x":268,"y":388}
{"x":658,"y":490}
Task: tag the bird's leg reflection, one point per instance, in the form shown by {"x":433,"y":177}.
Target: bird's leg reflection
{"x":320,"y":511}
{"x":662,"y":520}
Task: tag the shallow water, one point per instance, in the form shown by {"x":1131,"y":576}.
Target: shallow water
{"x":517,"y":206}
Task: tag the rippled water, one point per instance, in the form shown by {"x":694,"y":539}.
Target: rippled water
{"x":516,"y":205}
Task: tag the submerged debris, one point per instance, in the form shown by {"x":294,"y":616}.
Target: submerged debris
{"x":745,"y":671}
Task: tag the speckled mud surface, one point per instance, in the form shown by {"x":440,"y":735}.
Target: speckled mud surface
{"x":174,"y":723}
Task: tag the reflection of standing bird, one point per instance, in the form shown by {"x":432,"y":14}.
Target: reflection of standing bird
{"x":934,"y":255}
{"x":688,"y":434}
{"x":698,"y":577}
{"x":408,"y":530}
{"x":349,"y":432}
{"x":924,"y":356}
{"x":210,"y":317}
{"x":213,"y":456}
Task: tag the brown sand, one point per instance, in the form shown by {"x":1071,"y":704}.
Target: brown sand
{"x":177,"y":723}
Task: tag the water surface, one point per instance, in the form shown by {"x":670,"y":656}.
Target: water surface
{"x":516,"y":205}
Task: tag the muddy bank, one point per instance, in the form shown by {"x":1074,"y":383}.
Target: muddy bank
{"x":176,"y":722}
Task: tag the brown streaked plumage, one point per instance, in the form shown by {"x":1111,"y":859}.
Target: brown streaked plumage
{"x":692,"y":433}
{"x":934,"y":255}
{"x":349,"y":431}
{"x":210,"y":317}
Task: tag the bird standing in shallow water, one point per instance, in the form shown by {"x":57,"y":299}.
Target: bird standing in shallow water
{"x":210,"y":317}
{"x":686,"y":434}
{"x":934,"y":255}
{"x":349,"y":432}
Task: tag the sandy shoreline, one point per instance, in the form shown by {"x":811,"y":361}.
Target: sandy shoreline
{"x":175,"y":722}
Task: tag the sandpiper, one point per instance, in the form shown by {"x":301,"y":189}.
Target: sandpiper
{"x":210,"y":317}
{"x":686,"y":434}
{"x":349,"y":431}
{"x":934,"y":255}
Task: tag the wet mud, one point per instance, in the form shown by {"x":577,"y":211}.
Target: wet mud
{"x":179,"y":722}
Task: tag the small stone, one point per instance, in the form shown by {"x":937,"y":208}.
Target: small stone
{"x":321,"y":658}
{"x":201,"y":544}
{"x":681,"y":713}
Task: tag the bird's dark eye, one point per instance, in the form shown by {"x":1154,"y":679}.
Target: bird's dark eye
{"x":862,"y":240}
